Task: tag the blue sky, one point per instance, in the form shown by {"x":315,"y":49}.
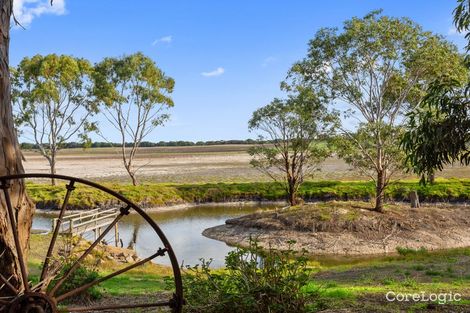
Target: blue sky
{"x":227,"y":57}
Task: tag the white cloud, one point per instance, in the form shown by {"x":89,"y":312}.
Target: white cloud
{"x":165,"y":39}
{"x":268,"y":61}
{"x":26,"y":10}
{"x":453,"y":32}
{"x":217,"y":72}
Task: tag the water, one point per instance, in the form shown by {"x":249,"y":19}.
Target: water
{"x":183,"y":229}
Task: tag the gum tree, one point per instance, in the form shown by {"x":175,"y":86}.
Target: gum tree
{"x":438,"y":131}
{"x":291,"y":130}
{"x":134,"y":94}
{"x":379,"y":67}
{"x":10,"y":163}
{"x":53,"y":101}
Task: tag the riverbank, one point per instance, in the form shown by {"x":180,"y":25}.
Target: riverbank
{"x":155,"y":195}
{"x":350,"y":228}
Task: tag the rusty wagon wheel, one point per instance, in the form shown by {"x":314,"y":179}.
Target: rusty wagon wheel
{"x":44,"y":292}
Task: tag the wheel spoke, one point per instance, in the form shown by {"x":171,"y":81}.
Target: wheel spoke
{"x":5,"y":186}
{"x":124,"y":211}
{"x":160,"y":252}
{"x":8,"y":284}
{"x":114,"y":307}
{"x":70,"y":187}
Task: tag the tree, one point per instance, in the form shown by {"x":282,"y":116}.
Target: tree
{"x":379,"y":67}
{"x":294,"y":127}
{"x":53,"y":100}
{"x":438,"y":130}
{"x":134,"y":94}
{"x":10,"y":163}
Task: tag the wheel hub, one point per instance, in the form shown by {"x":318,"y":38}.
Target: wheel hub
{"x":33,"y":302}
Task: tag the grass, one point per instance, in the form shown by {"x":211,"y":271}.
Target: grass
{"x":365,"y":284}
{"x":156,"y":194}
{"x":361,"y":284}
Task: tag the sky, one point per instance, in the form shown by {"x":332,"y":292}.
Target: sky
{"x":227,"y":57}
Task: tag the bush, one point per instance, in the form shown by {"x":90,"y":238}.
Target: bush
{"x":253,"y":281}
{"x":82,"y":275}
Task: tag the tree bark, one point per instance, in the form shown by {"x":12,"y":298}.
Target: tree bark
{"x":414,"y":199}
{"x":10,"y":163}
{"x":379,"y":191}
{"x":53,"y":170}
{"x":431,"y":178}
{"x":291,"y":192}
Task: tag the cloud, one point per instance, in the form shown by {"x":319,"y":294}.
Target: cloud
{"x":26,"y":11}
{"x":453,"y":32}
{"x":165,"y":39}
{"x":217,"y":72}
{"x":268,"y":61}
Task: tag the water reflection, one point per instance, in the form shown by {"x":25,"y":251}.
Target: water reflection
{"x":183,"y":228}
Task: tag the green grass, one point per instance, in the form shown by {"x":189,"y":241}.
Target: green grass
{"x":155,"y":194}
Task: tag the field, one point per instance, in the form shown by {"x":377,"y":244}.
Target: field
{"x":173,"y":175}
{"x":197,"y":164}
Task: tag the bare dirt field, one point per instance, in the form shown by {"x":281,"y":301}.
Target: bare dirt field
{"x":196,"y":164}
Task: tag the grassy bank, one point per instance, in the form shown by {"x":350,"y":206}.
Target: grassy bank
{"x":360,"y":286}
{"x":364,"y":285}
{"x":153,"y":194}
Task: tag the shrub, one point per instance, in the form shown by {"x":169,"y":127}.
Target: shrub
{"x":82,"y":275}
{"x":253,"y":281}
{"x":412,"y":252}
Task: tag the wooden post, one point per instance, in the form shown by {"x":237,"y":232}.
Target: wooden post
{"x":54,"y":224}
{"x":414,"y":199}
{"x":116,"y":234}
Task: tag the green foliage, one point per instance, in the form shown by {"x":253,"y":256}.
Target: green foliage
{"x":82,"y":275}
{"x":152,"y":195}
{"x":438,"y":131}
{"x":254,"y":281}
{"x":409,"y":251}
{"x":381,"y":67}
{"x":133,"y":92}
{"x":359,"y":149}
{"x":53,"y":101}
{"x":293,"y":128}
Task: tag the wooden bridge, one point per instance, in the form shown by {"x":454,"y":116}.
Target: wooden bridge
{"x":88,"y":221}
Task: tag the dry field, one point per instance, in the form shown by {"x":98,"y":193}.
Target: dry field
{"x":198,"y":164}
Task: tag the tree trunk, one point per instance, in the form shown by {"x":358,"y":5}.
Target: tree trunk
{"x":128,"y":166}
{"x":133,"y":177}
{"x":10,"y":163}
{"x":53,"y":171}
{"x":291,"y":192}
{"x":431,"y":178}
{"x":379,"y":191}
{"x":414,"y":199}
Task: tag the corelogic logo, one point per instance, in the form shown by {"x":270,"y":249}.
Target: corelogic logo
{"x":441,"y":298}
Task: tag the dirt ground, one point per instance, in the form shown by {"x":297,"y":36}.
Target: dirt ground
{"x":339,"y":228}
{"x":197,"y":164}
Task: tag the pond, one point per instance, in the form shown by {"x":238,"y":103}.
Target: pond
{"x":183,"y":229}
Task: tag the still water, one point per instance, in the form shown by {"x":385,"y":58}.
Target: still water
{"x":183,"y":229}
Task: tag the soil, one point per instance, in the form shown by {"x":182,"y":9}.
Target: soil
{"x":199,"y":164}
{"x":348,"y":229}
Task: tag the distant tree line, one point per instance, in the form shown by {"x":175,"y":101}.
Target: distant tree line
{"x":147,"y":144}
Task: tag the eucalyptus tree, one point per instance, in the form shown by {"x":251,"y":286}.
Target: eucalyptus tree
{"x":379,"y":67}
{"x":53,"y":101}
{"x":291,"y":137}
{"x":10,"y":163}
{"x":134,"y":94}
{"x":438,"y":131}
